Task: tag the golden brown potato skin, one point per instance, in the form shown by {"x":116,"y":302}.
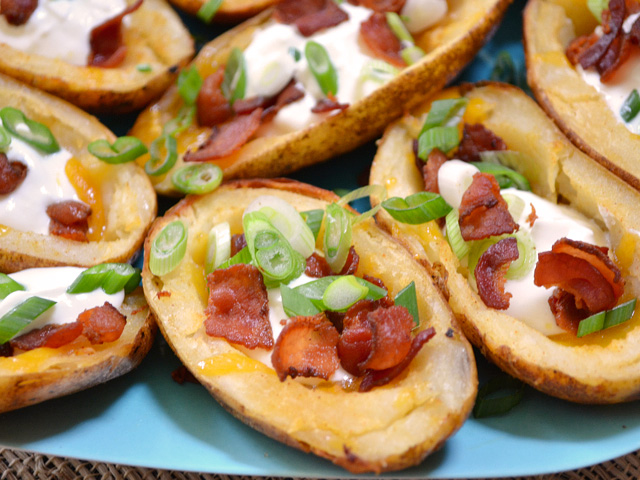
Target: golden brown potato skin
{"x":129,"y":199}
{"x":155,"y":36}
{"x":388,"y":428}
{"x":576,"y":107}
{"x":449,"y":46}
{"x":45,"y":373}
{"x":602,"y":368}
{"x":230,"y":11}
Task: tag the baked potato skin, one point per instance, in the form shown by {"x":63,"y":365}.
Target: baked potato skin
{"x":46,"y":373}
{"x":155,"y":36}
{"x":603,"y":368}
{"x":230,"y":11}
{"x":388,"y":428}
{"x":449,"y":46}
{"x":576,"y":107}
{"x":128,"y":197}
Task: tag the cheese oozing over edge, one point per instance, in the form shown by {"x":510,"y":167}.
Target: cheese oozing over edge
{"x":60,"y":29}
{"x":52,"y":283}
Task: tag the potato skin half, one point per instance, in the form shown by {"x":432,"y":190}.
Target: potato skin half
{"x":128,"y":197}
{"x":155,"y":35}
{"x":602,"y":369}
{"x":388,"y":428}
{"x":576,"y":107}
{"x":449,"y":46}
{"x":45,"y":373}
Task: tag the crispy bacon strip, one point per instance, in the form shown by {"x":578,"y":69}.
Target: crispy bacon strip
{"x":377,"y":378}
{"x":430,"y":170}
{"x":391,"y":337}
{"x":238,"y":309}
{"x":379,"y":37}
{"x":475,"y":139}
{"x":306,"y":347}
{"x":329,"y":104}
{"x":483,"y":211}
{"x":291,"y":93}
{"x":227,"y":138}
{"x":317,"y":266}
{"x":567,"y":315}
{"x":490,"y":273}
{"x":102,"y":324}
{"x":17,"y":12}
{"x":69,"y":219}
{"x":212,"y":106}
{"x":380,"y":5}
{"x":356,"y":339}
{"x":11,"y":174}
{"x":310,"y":16}
{"x":351,"y":265}
{"x":107,"y":49}
{"x":51,"y":336}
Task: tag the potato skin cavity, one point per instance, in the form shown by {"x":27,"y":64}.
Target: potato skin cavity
{"x":388,"y":428}
{"x":588,"y":371}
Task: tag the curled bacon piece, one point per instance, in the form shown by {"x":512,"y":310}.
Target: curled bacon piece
{"x":69,"y":219}
{"x":329,"y":104}
{"x":238,"y":242}
{"x":17,"y":12}
{"x":351,"y":264}
{"x":107,"y":49}
{"x":52,"y":336}
{"x":377,"y":378}
{"x":380,"y":5}
{"x":567,"y":315}
{"x":212,"y":106}
{"x":490,"y":272}
{"x":11,"y":174}
{"x":379,"y":37}
{"x":238,"y":308}
{"x":584,"y":271}
{"x":475,"y":139}
{"x":317,"y":266}
{"x":227,"y":138}
{"x":356,"y":339}
{"x":310,"y":16}
{"x":291,"y":93}
{"x":483,"y":211}
{"x":306,"y":347}
{"x":430,"y":170}
{"x":102,"y":324}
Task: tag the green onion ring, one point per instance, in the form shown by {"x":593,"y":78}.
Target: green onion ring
{"x":631,"y":106}
{"x":156,"y":166}
{"x":123,"y":150}
{"x":442,"y":111}
{"x":337,"y":236}
{"x":343,"y":292}
{"x":111,"y":277}
{"x":369,"y":191}
{"x":34,"y":133}
{"x":607,"y":319}
{"x":209,"y":10}
{"x":189,"y":84}
{"x":398,"y":28}
{"x":8,"y":285}
{"x":234,"y":84}
{"x":168,"y":248}
{"x":444,"y":139}
{"x":22,"y":315}
{"x":421,"y":207}
{"x":454,"y":236}
{"x":321,"y":67}
{"x":197,"y":179}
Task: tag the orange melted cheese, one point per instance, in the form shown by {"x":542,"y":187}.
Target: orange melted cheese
{"x":88,"y":189}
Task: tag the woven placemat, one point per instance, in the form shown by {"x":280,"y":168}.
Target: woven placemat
{"x":20,"y":465}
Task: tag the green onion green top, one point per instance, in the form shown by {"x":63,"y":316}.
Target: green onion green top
{"x":111,"y":277}
{"x":234,"y":84}
{"x":208,"y":10}
{"x":34,"y":133}
{"x":123,"y":150}
{"x":321,"y":67}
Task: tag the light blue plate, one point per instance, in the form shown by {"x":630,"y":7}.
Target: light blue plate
{"x":148,"y":420}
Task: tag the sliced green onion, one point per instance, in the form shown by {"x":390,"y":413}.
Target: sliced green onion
{"x":597,"y":7}
{"x":527,"y":256}
{"x":197,"y":179}
{"x":407,"y":298}
{"x":499,"y":395}
{"x":168,"y":248}
{"x":343,"y":292}
{"x":412,"y":54}
{"x":181,"y":122}
{"x":8,"y":285}
{"x":516,"y":205}
{"x":295,"y":53}
{"x":607,"y":319}
{"x":111,"y":277}
{"x":157,"y":166}
{"x":631,"y":106}
{"x":22,"y":315}
{"x":218,"y":246}
{"x":295,"y":304}
{"x":443,"y":111}
{"x":454,"y":236}
{"x":444,"y":139}
{"x":500,"y":171}
{"x":243,"y":256}
{"x":315,"y":289}
{"x":370,"y":190}
{"x":123,"y":150}
{"x":418,"y":208}
{"x":189,"y":84}
{"x":337,"y":236}
{"x":321,"y":67}
{"x":34,"y":133}
{"x":143,"y":67}
{"x":5,"y":139}
{"x":209,"y":10}
{"x":378,"y":71}
{"x":398,"y":28}
{"x":313,"y":218}
{"x":234,"y":84}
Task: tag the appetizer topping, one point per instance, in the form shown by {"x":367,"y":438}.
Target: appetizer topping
{"x":317,"y":266}
{"x":418,"y":15}
{"x":11,"y":174}
{"x":69,"y":219}
{"x":208,"y":10}
{"x":17,"y":12}
{"x":213,"y":107}
{"x":168,"y":248}
{"x":491,"y":270}
{"x":379,"y":37}
{"x":475,"y":139}
{"x":238,"y":307}
{"x":328,"y":104}
{"x":430,"y":170}
{"x":310,"y":16}
{"x":102,"y":324}
{"x":391,"y":337}
{"x":321,"y":67}
{"x":197,"y":179}
{"x":380,"y":5}
{"x":123,"y":150}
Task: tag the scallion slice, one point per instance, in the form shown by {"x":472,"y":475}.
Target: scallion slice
{"x":189,"y":84}
{"x":111,"y":277}
{"x":313,"y":218}
{"x":378,"y":71}
{"x":499,"y":395}
{"x":295,"y":53}
{"x":197,"y":179}
{"x":412,"y":54}
{"x":218,"y":246}
{"x":8,"y":285}
{"x":418,"y":208}
{"x":234,"y":84}
{"x":407,"y":298}
{"x":631,"y":106}
{"x":343,"y":292}
{"x":181,"y":122}
{"x":444,"y":139}
{"x":321,"y":67}
{"x":156,"y":165}
{"x":398,"y":28}
{"x":337,"y":236}
{"x":443,"y":111}
{"x":454,"y":236}
{"x":123,"y":150}
{"x":5,"y":139}
{"x":243,"y":256}
{"x":168,"y":248}
{"x":516,"y":206}
{"x":315,"y":290}
{"x":501,"y":172}
{"x":34,"y":133}
{"x":295,"y":304}
{"x":370,"y":190}
{"x":22,"y":315}
{"x":527,"y":256}
{"x":208,"y":10}
{"x":143,"y":67}
{"x":609,"y":318}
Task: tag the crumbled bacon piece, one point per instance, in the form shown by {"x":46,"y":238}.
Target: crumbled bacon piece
{"x":356,"y":338}
{"x":490,"y":272}
{"x":17,"y":12}
{"x":238,"y":242}
{"x":351,"y":264}
{"x":291,"y":93}
{"x":391,"y":337}
{"x":51,"y":336}
{"x":379,"y":37}
{"x":6,"y":350}
{"x":11,"y":174}
{"x":381,"y":5}
{"x":69,"y":219}
{"x":310,"y":16}
{"x":107,"y":48}
{"x":567,"y":315}
{"x":306,"y":347}
{"x":238,"y":307}
{"x":475,"y":139}
{"x":102,"y":324}
{"x":317,"y":266}
{"x":430,"y":170}
{"x":212,"y":106}
{"x":533,"y":216}
{"x":483,"y":211}
{"x":328,"y":104}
